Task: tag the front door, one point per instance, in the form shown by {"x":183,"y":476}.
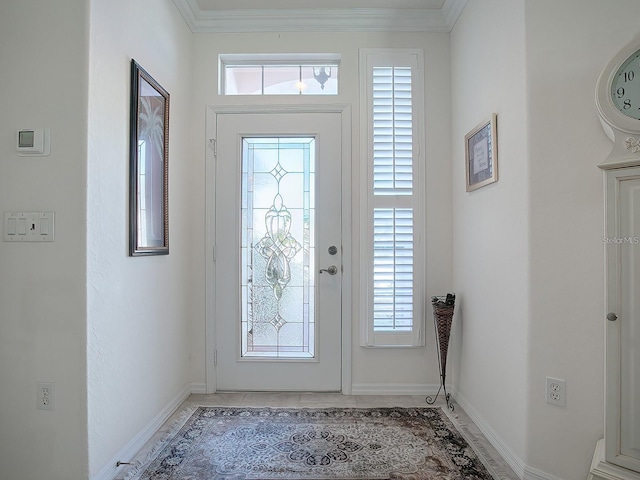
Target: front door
{"x":278,"y":265}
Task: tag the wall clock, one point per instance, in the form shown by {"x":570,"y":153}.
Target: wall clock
{"x":618,"y":104}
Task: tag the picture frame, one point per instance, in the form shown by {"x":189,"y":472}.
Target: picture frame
{"x":481,"y":154}
{"x":148,"y":165}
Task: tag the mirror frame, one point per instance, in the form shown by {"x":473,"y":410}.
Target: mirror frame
{"x":148,"y":244}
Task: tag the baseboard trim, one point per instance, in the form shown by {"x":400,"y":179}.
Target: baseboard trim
{"x":534,"y":474}
{"x":602,"y":470}
{"x":199,"y":388}
{"x":393,"y":389}
{"x":509,"y":456}
{"x":109,"y":471}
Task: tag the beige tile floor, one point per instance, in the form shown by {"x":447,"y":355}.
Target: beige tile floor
{"x":472,"y":434}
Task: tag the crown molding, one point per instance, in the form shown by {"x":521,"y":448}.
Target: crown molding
{"x":320,"y":19}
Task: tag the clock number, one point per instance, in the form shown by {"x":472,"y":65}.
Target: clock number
{"x":620,"y":92}
{"x":627,"y":104}
{"x":629,"y":76}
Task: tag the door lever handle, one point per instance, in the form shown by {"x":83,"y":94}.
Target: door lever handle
{"x":332,"y":270}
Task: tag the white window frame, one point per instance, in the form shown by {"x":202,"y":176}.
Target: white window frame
{"x":368,"y":59}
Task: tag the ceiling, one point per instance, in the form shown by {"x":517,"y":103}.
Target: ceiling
{"x":220,"y":16}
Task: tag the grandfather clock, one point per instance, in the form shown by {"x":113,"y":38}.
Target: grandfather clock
{"x":617,"y":455}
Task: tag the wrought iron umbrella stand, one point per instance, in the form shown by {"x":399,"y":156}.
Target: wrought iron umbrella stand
{"x":442,"y":318}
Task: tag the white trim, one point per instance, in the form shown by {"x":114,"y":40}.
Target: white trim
{"x":198,"y":388}
{"x":534,"y":474}
{"x":233,"y":59}
{"x":452,"y":9}
{"x":320,"y":20}
{"x":602,"y":470}
{"x":280,"y":108}
{"x":210,"y":237}
{"x":394,"y":389}
{"x":211,"y":125}
{"x":347,"y":258}
{"x":368,"y":58}
{"x":109,"y":471}
{"x":509,"y":456}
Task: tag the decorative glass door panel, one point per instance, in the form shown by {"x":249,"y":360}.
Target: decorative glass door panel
{"x":278,"y":251}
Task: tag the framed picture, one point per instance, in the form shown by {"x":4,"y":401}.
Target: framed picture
{"x":149,"y":166}
{"x":481,"y":154}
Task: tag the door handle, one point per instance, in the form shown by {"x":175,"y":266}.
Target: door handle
{"x":332,"y":270}
{"x":612,"y":317}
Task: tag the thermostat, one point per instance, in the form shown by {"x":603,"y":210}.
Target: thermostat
{"x":33,"y":142}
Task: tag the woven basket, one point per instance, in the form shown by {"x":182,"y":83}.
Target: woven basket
{"x":443,"y":318}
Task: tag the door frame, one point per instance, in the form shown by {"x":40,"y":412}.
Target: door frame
{"x":210,"y":208}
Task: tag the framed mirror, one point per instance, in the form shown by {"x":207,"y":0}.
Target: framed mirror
{"x":149,"y":165}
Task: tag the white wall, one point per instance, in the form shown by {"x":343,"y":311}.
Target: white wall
{"x":528,"y":258}
{"x":44,"y":69}
{"x":568,"y":43}
{"x":139,"y":308}
{"x":375,"y":369}
{"x":490,"y":230}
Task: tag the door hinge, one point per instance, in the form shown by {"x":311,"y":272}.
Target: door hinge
{"x":215,"y":358}
{"x":213,"y":253}
{"x":213,"y":145}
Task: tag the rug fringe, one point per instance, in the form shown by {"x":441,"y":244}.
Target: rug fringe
{"x":140,"y":465}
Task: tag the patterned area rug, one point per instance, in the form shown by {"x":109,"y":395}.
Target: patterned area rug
{"x":312,"y":444}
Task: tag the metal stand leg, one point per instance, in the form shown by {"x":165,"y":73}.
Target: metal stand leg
{"x":447,"y":396}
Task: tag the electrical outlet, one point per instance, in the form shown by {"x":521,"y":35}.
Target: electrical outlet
{"x":556,"y":392}
{"x":46,"y":396}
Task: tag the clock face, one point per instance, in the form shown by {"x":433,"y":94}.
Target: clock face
{"x":625,"y":87}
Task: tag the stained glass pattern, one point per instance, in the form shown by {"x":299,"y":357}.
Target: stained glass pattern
{"x":278,"y":210}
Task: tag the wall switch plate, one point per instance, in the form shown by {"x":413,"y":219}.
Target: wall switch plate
{"x":29,"y":226}
{"x":556,"y":392}
{"x":46,"y":394}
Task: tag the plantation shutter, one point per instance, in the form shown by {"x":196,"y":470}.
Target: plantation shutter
{"x":393,"y":269}
{"x":394,"y":299}
{"x":392,"y":131}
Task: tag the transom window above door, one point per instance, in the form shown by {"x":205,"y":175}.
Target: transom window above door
{"x":285,"y":74}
